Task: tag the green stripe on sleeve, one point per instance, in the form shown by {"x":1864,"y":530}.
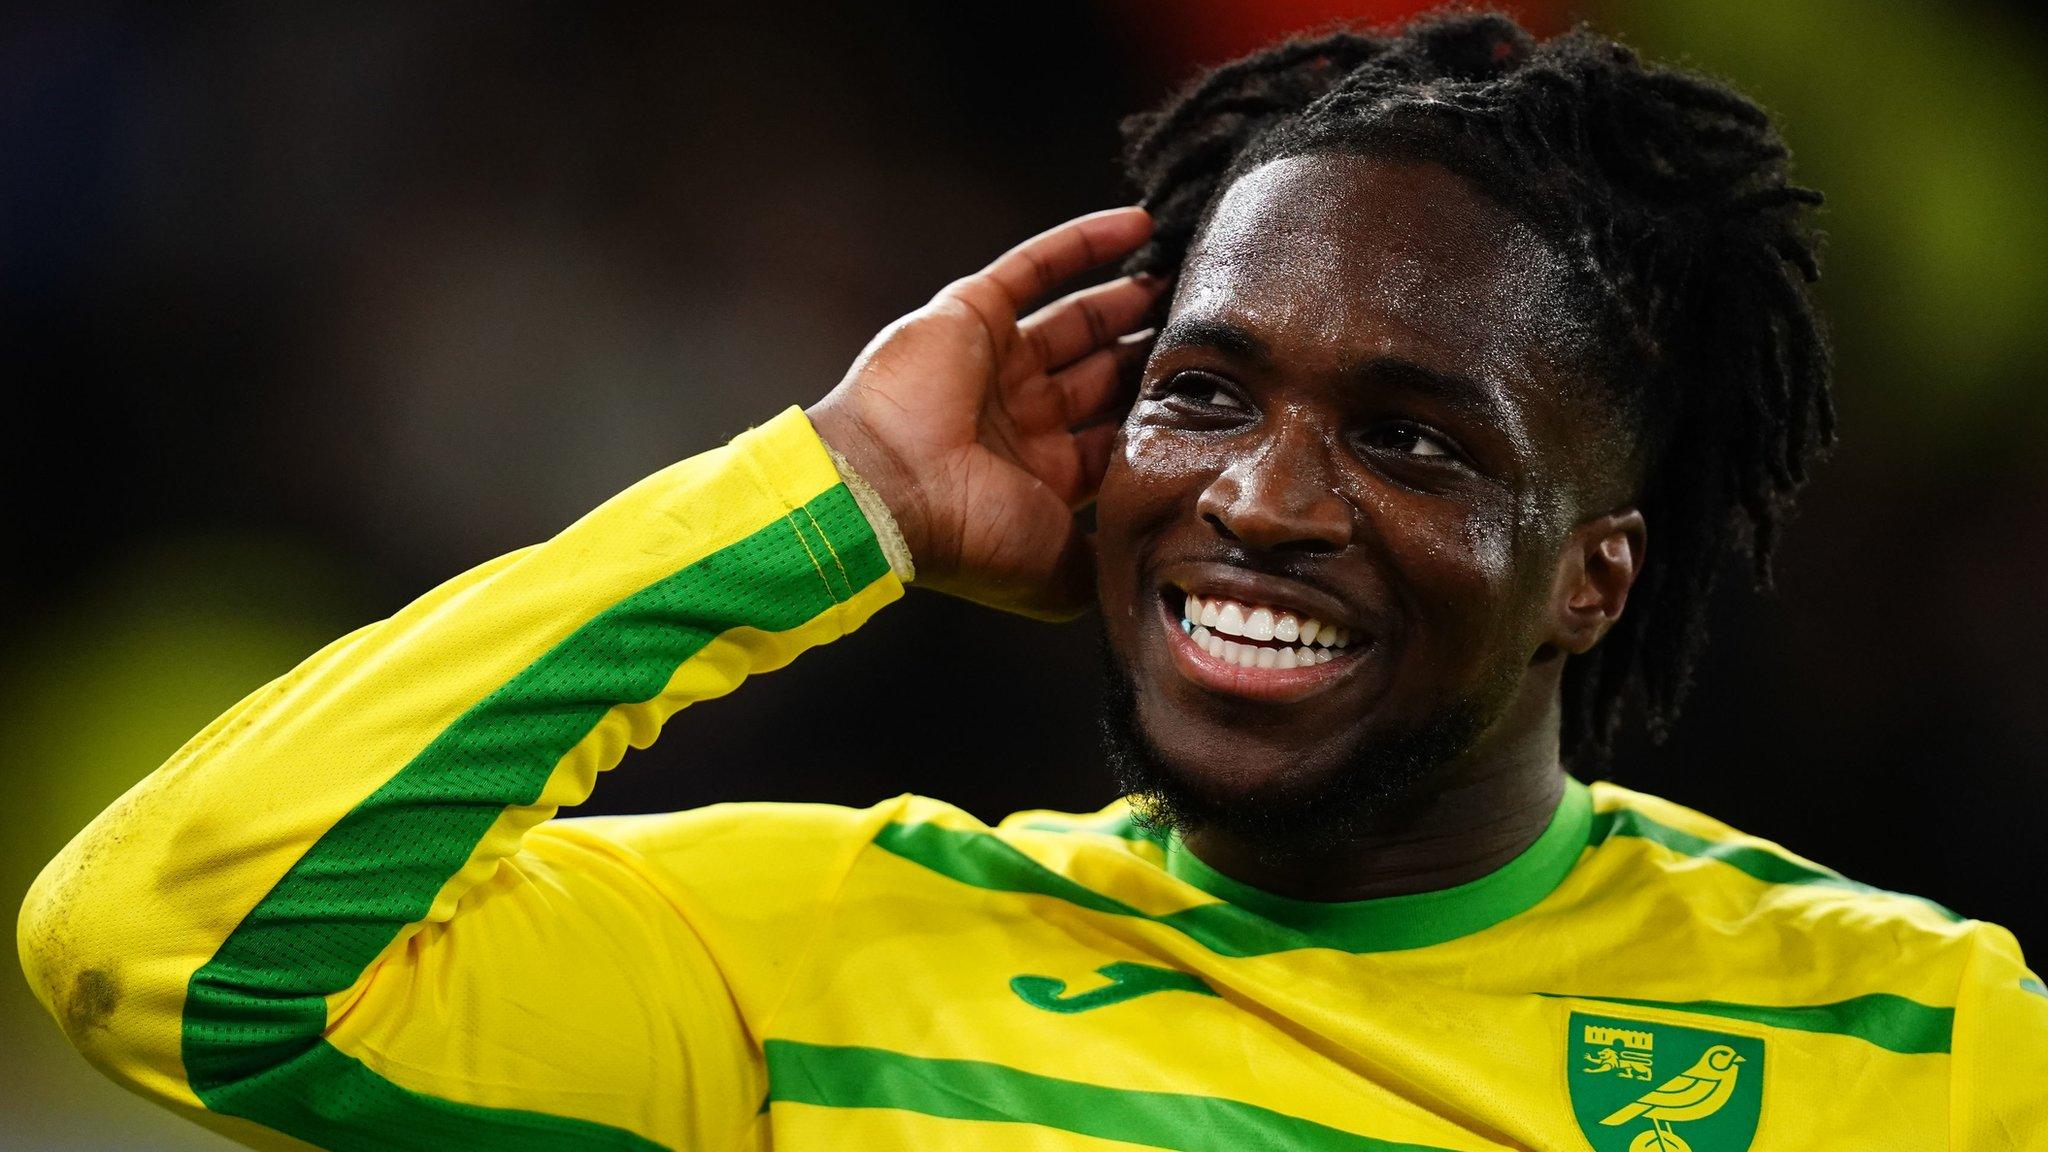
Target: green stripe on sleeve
{"x":1759,"y":863}
{"x":255,"y":1013}
{"x":1894,"y":1023}
{"x":849,"y":1077}
{"x":331,"y":1099}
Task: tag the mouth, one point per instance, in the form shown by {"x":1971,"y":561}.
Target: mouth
{"x":1263,"y":649}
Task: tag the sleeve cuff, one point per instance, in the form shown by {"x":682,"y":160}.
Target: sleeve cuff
{"x":877,"y":511}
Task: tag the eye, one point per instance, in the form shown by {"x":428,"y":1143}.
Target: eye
{"x":1203,"y":391}
{"x":1410,"y":440}
{"x":1221,"y":399}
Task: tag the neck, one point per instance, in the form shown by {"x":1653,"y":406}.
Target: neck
{"x":1467,"y":820}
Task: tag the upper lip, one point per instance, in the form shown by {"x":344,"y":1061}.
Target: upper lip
{"x":1208,"y":578}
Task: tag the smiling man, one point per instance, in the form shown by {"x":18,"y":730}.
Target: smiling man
{"x":1479,"y":355}
{"x":1367,"y":420}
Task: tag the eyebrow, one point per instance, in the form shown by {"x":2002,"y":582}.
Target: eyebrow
{"x":1217,"y":334}
{"x":1453,"y":388}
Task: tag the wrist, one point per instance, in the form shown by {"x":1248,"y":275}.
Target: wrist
{"x":894,"y":548}
{"x":873,"y":467}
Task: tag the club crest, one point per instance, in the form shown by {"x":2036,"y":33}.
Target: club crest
{"x":1640,"y":1086}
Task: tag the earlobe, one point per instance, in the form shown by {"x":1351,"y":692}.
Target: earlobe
{"x":1596,"y":569}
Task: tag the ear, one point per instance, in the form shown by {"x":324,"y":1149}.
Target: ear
{"x":1598,"y":564}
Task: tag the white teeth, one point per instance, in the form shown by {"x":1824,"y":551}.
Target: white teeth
{"x":1217,"y":617}
{"x":1267,"y":656}
{"x":1286,"y":659}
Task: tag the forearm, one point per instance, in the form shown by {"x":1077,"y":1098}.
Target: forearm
{"x":190,"y":937}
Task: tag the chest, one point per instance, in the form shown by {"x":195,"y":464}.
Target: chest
{"x":1022,"y":1022}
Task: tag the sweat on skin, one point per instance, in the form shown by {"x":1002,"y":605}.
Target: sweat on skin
{"x":1368,"y":390}
{"x":346,"y":915}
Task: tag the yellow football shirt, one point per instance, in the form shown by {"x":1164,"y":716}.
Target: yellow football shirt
{"x":344,"y":916}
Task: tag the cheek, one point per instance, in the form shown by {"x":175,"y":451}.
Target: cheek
{"x":1151,"y":484}
{"x":1468,"y":558}
{"x":1157,"y":455}
{"x":1152,"y":474}
{"x":1488,"y":534}
{"x":1456,"y":561}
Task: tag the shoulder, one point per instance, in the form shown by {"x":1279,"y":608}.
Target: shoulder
{"x":731,"y":823}
{"x":753,"y":828}
{"x":1671,"y":840}
{"x":1661,"y":852}
{"x":1115,"y":819}
{"x":742,"y":845}
{"x":1016,"y":850}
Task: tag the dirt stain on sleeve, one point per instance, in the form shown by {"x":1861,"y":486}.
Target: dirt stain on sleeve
{"x":94,"y":996}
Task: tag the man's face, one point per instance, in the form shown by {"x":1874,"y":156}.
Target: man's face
{"x":1360,"y":412}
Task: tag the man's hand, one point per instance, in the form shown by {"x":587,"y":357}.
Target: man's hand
{"x":984,"y":434}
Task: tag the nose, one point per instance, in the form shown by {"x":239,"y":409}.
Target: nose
{"x":1280,"y":496}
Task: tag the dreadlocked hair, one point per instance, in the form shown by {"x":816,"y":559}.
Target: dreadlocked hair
{"x":1668,"y":194}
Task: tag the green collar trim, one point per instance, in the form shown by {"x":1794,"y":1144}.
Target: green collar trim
{"x":1419,"y":919}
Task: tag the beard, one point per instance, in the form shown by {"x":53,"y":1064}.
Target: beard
{"x":1291,"y":818}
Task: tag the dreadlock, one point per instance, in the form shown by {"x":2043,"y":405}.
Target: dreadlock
{"x":1669,"y":195}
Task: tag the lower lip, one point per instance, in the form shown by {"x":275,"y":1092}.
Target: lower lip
{"x":1274,"y":685}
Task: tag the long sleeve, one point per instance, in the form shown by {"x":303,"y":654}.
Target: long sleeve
{"x":336,"y":916}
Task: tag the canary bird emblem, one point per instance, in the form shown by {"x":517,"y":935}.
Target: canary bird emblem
{"x":1713,"y":1105}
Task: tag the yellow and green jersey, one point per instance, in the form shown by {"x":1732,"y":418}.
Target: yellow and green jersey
{"x":344,"y":916}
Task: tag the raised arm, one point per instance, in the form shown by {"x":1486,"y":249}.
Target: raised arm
{"x":189,"y":940}
{"x":335,"y":918}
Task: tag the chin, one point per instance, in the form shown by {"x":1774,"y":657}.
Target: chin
{"x":1270,"y":793}
{"x":1235,"y":767}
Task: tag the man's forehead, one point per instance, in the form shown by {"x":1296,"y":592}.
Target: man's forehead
{"x":1374,"y":256}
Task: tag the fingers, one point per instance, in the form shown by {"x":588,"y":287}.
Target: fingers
{"x":1031,"y":270}
{"x":1037,"y":266}
{"x":1075,"y":325}
{"x":1103,"y":382}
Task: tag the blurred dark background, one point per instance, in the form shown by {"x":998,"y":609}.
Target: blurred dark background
{"x":307,"y":309}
